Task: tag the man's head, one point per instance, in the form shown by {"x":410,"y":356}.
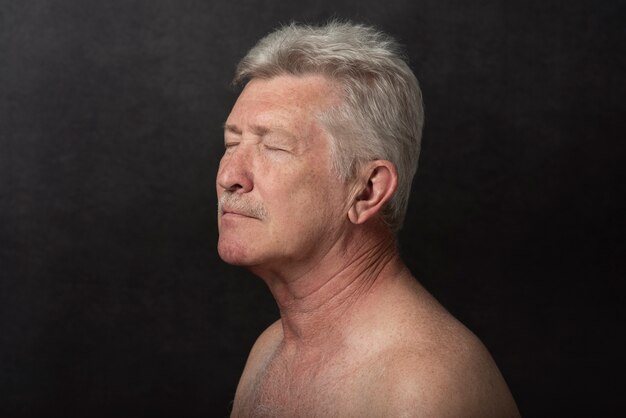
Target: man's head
{"x":379,"y":114}
{"x":326,"y":127}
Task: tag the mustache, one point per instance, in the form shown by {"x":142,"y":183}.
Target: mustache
{"x":242,"y":206}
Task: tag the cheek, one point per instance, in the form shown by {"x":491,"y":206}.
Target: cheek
{"x":311,"y":201}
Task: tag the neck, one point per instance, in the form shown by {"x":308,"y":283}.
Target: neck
{"x":317,"y":302}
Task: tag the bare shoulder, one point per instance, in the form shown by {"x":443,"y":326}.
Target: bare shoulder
{"x":268,"y":340}
{"x":458,"y":381}
{"x":447,"y":373}
{"x":437,"y":367}
{"x":262,"y":351}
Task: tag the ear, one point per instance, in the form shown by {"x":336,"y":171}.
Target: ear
{"x":380,"y":182}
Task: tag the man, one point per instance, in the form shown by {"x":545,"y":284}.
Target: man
{"x":321,"y":148}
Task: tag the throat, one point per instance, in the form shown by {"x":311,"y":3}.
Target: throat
{"x":319,"y":321}
{"x":317,"y":311}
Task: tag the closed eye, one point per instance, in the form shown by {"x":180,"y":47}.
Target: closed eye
{"x":273,"y":148}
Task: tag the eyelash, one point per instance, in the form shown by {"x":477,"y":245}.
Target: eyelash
{"x":274,"y":149}
{"x":230,"y":145}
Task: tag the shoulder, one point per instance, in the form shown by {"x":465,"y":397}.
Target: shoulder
{"x":263,"y":349}
{"x":268,"y":340}
{"x":259,"y":356}
{"x":452,"y":375}
{"x":429,"y":364}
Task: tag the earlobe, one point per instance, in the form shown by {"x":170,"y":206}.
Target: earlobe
{"x":381,"y":182}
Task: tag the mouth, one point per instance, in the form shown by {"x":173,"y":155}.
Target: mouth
{"x":234,"y":214}
{"x":230,"y":207}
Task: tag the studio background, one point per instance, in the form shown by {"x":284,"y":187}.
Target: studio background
{"x":113,"y":301}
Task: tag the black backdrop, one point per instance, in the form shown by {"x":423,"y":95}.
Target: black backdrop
{"x":113,"y":301}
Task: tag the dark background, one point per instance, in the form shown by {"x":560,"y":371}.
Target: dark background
{"x":113,"y":301}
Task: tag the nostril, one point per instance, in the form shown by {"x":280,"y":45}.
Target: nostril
{"x":233,"y":188}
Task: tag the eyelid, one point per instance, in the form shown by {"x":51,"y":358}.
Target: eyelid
{"x":275,"y":148}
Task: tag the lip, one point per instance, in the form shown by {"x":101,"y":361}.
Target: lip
{"x":230,"y":214}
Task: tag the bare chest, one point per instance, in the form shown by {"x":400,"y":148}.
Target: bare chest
{"x":307,"y":389}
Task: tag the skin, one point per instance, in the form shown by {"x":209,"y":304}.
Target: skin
{"x":358,"y":335}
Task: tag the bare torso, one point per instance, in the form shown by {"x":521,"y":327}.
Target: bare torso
{"x":398,"y":353}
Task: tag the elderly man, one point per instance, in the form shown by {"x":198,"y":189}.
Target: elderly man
{"x":321,"y":148}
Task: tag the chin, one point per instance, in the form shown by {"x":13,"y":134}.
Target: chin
{"x":233,"y":254}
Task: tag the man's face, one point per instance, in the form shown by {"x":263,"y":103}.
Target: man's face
{"x":281,"y":204}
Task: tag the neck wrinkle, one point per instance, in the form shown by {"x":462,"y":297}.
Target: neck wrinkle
{"x":320,"y":311}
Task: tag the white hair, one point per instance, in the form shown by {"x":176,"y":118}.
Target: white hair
{"x":381,"y":114}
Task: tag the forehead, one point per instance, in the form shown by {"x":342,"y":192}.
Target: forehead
{"x":283,"y":101}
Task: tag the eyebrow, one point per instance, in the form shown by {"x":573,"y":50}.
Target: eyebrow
{"x":232,"y":128}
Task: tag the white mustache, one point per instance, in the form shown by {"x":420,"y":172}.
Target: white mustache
{"x":237,"y":204}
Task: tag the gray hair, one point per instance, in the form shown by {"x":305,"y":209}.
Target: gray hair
{"x":381,"y":114}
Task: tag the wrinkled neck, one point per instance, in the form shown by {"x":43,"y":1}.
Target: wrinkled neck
{"x":316,"y":304}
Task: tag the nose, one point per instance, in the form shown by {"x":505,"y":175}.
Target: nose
{"x":233,"y":174}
